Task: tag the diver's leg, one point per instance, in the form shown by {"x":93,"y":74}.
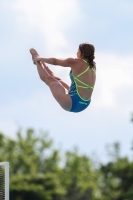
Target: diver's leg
{"x":58,"y":90}
{"x":57,"y":78}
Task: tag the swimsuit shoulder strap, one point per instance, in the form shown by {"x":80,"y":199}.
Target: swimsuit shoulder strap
{"x":76,"y":77}
{"x":90,"y":67}
{"x":84,"y":70}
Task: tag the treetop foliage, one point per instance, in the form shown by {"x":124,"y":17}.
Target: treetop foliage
{"x":39,"y":172}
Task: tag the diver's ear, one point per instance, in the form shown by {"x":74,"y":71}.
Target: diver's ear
{"x":80,"y":53}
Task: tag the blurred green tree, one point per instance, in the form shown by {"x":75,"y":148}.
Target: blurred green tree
{"x":80,"y":177}
{"x":117,"y":178}
{"x":29,"y":178}
{"x":37,"y":171}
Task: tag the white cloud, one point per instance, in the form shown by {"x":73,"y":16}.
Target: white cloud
{"x":114,"y":73}
{"x":50,"y":17}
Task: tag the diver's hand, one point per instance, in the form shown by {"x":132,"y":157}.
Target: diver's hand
{"x":37,"y":58}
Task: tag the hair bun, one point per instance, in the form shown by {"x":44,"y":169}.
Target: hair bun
{"x":87,"y":52}
{"x":91,"y":57}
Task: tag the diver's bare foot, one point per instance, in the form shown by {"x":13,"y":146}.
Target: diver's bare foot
{"x":34,"y":53}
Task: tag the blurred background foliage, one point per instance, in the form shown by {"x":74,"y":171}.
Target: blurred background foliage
{"x":38,"y":171}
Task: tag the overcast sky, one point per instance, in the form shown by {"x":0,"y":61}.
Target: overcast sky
{"x":56,"y":28}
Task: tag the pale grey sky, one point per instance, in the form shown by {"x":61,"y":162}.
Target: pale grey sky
{"x":56,"y":28}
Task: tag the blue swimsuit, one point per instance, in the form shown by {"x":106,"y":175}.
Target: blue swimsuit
{"x":78,"y":103}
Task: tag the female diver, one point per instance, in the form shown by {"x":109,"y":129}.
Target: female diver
{"x":77,"y":97}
